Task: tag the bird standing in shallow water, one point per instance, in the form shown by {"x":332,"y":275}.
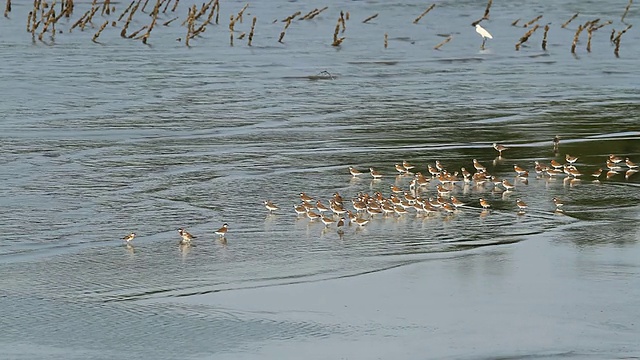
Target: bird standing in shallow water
{"x":223,"y":230}
{"x":129,"y":237}
{"x":484,"y":33}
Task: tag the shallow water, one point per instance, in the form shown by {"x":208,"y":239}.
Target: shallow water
{"x":99,"y":140}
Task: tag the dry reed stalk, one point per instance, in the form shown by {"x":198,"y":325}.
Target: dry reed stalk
{"x":217,"y":6}
{"x":575,"y":38}
{"x":313,"y":13}
{"x":166,"y":6}
{"x":29,"y":21}
{"x":253,"y":26}
{"x":79,"y":20}
{"x":533,"y":20}
{"x":7,"y":9}
{"x":68,"y":8}
{"x":336,"y":40}
{"x":486,"y":11}
{"x":96,"y":35}
{"x":620,"y":33}
{"x":347,"y":15}
{"x":424,"y":13}
{"x":386,"y":40}
{"x":144,"y":6}
{"x":286,"y":26}
{"x":189,"y":26}
{"x":307,"y":15}
{"x":105,"y":8}
{"x":203,"y":10}
{"x":626,"y":10}
{"x":569,"y":21}
{"x":370,"y":18}
{"x":544,"y":37}
{"x":608,"y":22}
{"x":123,"y":33}
{"x":292,"y":16}
{"x":526,"y":36}
{"x":343,"y":21}
{"x":437,"y":47}
{"x":240,"y":13}
{"x":613,"y":33}
{"x":126,"y":10}
{"x":137,"y":32}
{"x":175,"y":5}
{"x":515,"y":23}
{"x":589,"y":34}
{"x":166,"y":23}
{"x":242,"y":35}
{"x":89,"y":19}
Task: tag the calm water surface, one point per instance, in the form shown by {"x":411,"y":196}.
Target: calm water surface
{"x":102,"y":139}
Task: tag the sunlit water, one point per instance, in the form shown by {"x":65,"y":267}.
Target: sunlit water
{"x":102,"y":139}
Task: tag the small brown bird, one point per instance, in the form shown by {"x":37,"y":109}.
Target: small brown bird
{"x":570,"y":159}
{"x":484,"y":203}
{"x":306,"y":198}
{"x":557,"y":202}
{"x":361,"y":222}
{"x":499,"y":148}
{"x":354,"y":172}
{"x":407,"y":166}
{"x":223,"y":230}
{"x":479,"y":167}
{"x":507,"y":185}
{"x":375,"y":174}
{"x":186,"y":237}
{"x":630,"y":164}
{"x":129,"y":237}
{"x":521,"y":204}
{"x":270,"y":206}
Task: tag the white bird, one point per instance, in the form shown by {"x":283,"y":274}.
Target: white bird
{"x":484,"y":33}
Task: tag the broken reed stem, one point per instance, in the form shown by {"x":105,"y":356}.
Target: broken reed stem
{"x":190,"y":25}
{"x":437,"y":47}
{"x":106,"y":8}
{"x":526,"y":36}
{"x":336,"y":40}
{"x":343,"y":21}
{"x":292,"y":16}
{"x":89,"y":19}
{"x":123,"y":33}
{"x":617,"y":38}
{"x":313,"y":13}
{"x":544,"y":37}
{"x":253,"y":26}
{"x":137,"y":32}
{"x":166,"y":23}
{"x":79,"y":20}
{"x":68,"y":8}
{"x":575,"y":39}
{"x":626,"y":10}
{"x":29,"y":21}
{"x":569,"y":21}
{"x":515,"y":23}
{"x":386,"y":40}
{"x":175,"y":5}
{"x":166,"y":6}
{"x":532,"y":21}
{"x":241,"y":12}
{"x":126,"y":10}
{"x":7,"y":9}
{"x":370,"y":18}
{"x":424,"y":13}
{"x":589,"y":34}
{"x":286,"y":26}
{"x":96,"y":35}
{"x":144,"y":5}
{"x":486,"y":11}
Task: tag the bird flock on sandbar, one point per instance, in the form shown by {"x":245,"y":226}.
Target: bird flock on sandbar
{"x":419,"y":198}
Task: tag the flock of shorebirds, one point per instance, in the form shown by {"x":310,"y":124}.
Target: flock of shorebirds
{"x":365,"y":207}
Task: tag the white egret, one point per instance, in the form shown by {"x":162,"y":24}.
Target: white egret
{"x":484,"y":33}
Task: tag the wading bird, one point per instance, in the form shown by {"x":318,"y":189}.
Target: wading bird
{"x":484,"y":33}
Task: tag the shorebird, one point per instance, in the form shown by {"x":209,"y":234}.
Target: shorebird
{"x":407,"y":166}
{"x":305,"y":198}
{"x":484,"y":203}
{"x":630,"y":164}
{"x":375,"y":174}
{"x":479,"y":167}
{"x":223,"y":230}
{"x":270,"y":206}
{"x":129,"y":237}
{"x":520,"y":171}
{"x":570,"y":159}
{"x":499,"y":148}
{"x":354,"y":172}
{"x":596,"y":174}
{"x":186,"y":237}
{"x":507,"y":185}
{"x":556,"y":143}
{"x":521,"y":204}
{"x":326,"y":220}
{"x":361,"y":222}
{"x":321,"y":207}
{"x":484,"y":33}
{"x":615,"y":159}
{"x":558,"y":203}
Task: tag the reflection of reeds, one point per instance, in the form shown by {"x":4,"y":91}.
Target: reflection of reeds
{"x":486,"y":11}
{"x":437,"y":47}
{"x":232,"y":24}
{"x":175,"y":5}
{"x":253,"y":26}
{"x":386,"y":40}
{"x":370,"y":18}
{"x":526,"y":36}
{"x":424,"y":13}
{"x":569,"y":21}
{"x":533,"y":20}
{"x":626,"y":10}
{"x":96,"y":35}
{"x":544,"y":37}
{"x":144,"y":5}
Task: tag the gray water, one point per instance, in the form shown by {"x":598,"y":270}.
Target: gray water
{"x":102,"y":139}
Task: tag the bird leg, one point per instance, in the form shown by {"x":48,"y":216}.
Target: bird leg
{"x":484,"y":40}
